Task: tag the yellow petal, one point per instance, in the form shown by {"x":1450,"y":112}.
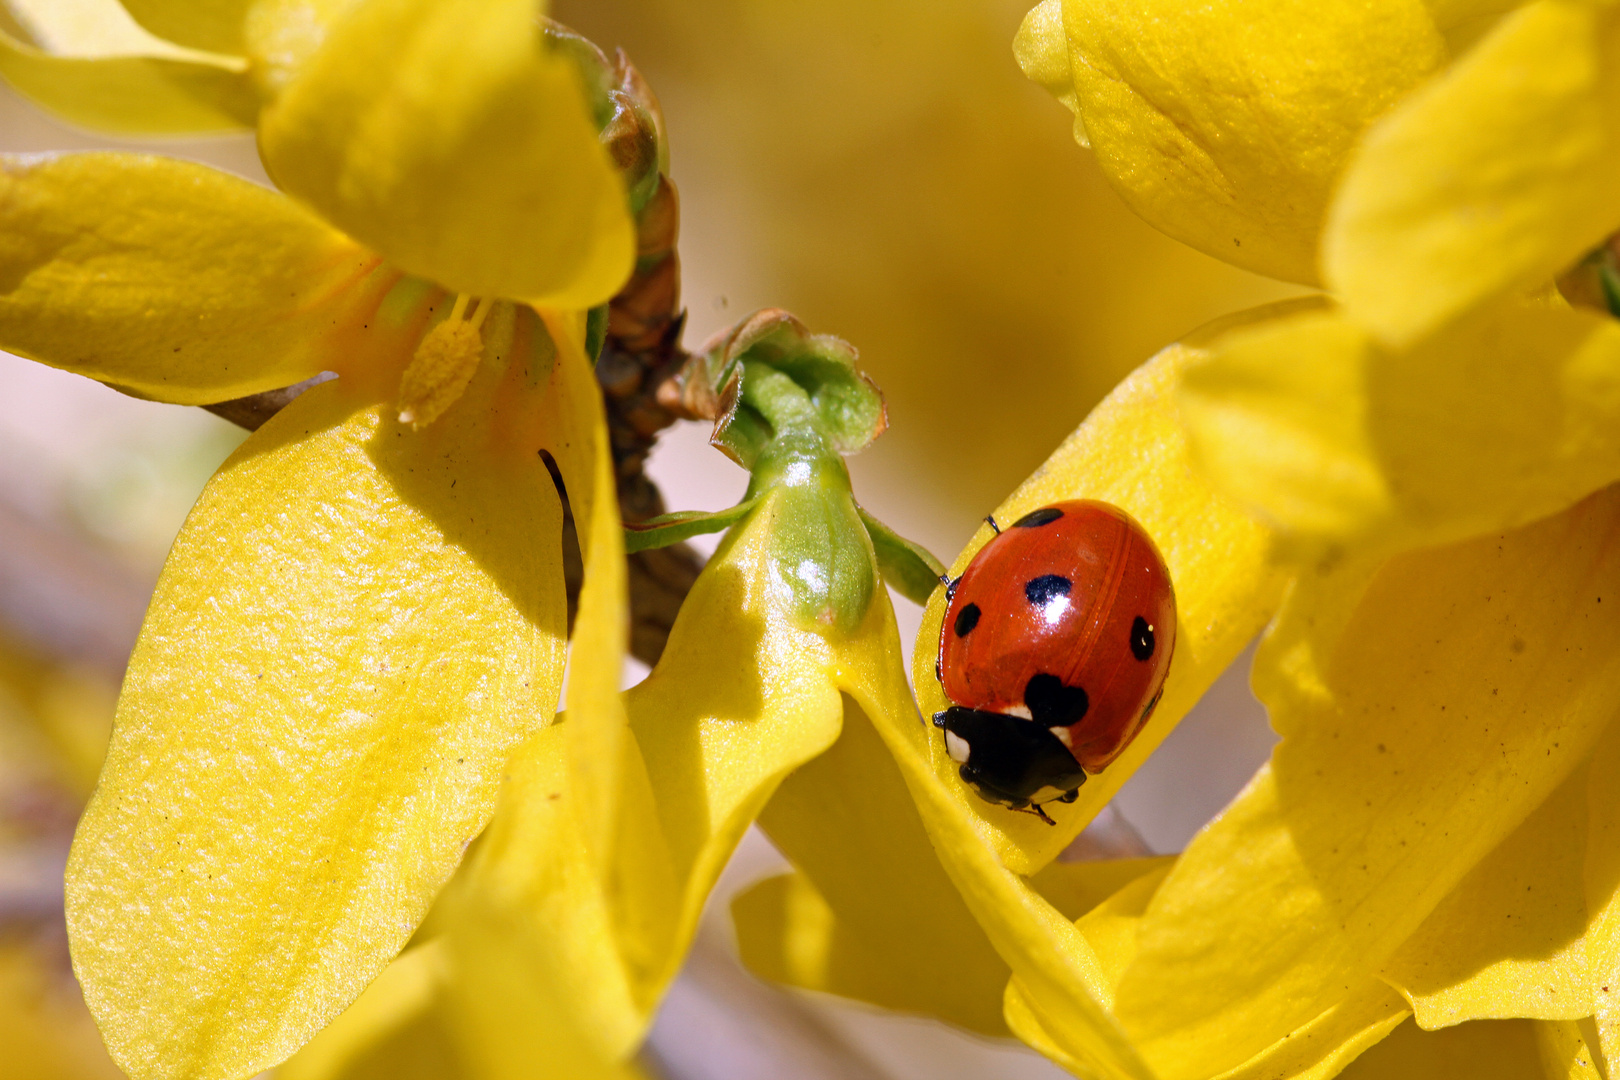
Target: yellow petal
{"x":1487,"y":1050}
{"x":1601,"y":875}
{"x":1131,"y":452}
{"x":88,"y":28}
{"x":174,"y":280}
{"x":133,"y":95}
{"x":214,"y":25}
{"x":1467,"y":684}
{"x":1490,"y":179}
{"x":740,"y":697}
{"x":1564,"y":1052}
{"x":1509,"y":416}
{"x":446,"y":136}
{"x":352,"y":631}
{"x":1507,"y":941}
{"x":1037,"y":942}
{"x":1226,"y":125}
{"x":871,"y":914}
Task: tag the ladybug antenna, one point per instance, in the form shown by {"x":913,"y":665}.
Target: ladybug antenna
{"x":990,"y":520}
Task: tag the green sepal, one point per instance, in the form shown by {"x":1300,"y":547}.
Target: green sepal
{"x":667,"y":529}
{"x":819,"y":387}
{"x":909,"y":567}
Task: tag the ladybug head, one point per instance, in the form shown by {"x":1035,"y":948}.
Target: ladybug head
{"x":1008,"y":760}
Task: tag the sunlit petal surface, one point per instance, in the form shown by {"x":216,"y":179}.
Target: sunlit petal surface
{"x":176,"y":281}
{"x":352,"y":631}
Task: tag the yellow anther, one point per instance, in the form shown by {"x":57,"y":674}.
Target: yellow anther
{"x":444,"y":364}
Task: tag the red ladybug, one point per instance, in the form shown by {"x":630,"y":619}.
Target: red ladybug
{"x":1054,"y":649}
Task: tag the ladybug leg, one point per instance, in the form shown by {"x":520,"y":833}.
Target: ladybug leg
{"x":990,"y":520}
{"x":1040,"y":813}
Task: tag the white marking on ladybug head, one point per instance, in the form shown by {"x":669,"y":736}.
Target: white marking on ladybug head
{"x":957,"y":747}
{"x":1020,"y":711}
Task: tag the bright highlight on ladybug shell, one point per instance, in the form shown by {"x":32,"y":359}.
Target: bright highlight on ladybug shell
{"x":1053,"y":653}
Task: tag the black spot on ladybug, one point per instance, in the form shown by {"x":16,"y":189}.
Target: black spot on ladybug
{"x":966,"y":620}
{"x":1036,"y":518}
{"x":1051,"y":704}
{"x":1046,"y":588}
{"x":1141,"y":639}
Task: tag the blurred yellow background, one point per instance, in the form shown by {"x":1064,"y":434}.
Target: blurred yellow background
{"x":884,"y":171}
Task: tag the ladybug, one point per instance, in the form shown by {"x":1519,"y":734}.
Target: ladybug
{"x":1053,"y":652}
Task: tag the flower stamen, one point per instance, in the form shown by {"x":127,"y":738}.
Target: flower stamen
{"x":443,"y":365}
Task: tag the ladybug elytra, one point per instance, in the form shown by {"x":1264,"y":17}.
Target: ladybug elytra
{"x":1053,"y":652}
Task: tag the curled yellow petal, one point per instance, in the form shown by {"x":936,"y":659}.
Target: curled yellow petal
{"x":870,"y":914}
{"x":1041,"y":946}
{"x":450,"y":138}
{"x":1506,"y":417}
{"x":174,"y":280}
{"x":1226,"y":125}
{"x":1468,"y":682}
{"x":383,"y":622}
{"x":1491,"y":179}
{"x":133,"y":95}
{"x":740,"y":697}
{"x":1131,"y":451}
{"x":213,"y":25}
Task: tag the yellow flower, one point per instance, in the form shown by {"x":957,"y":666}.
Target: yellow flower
{"x":1437,"y":457}
{"x":364,"y":614}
